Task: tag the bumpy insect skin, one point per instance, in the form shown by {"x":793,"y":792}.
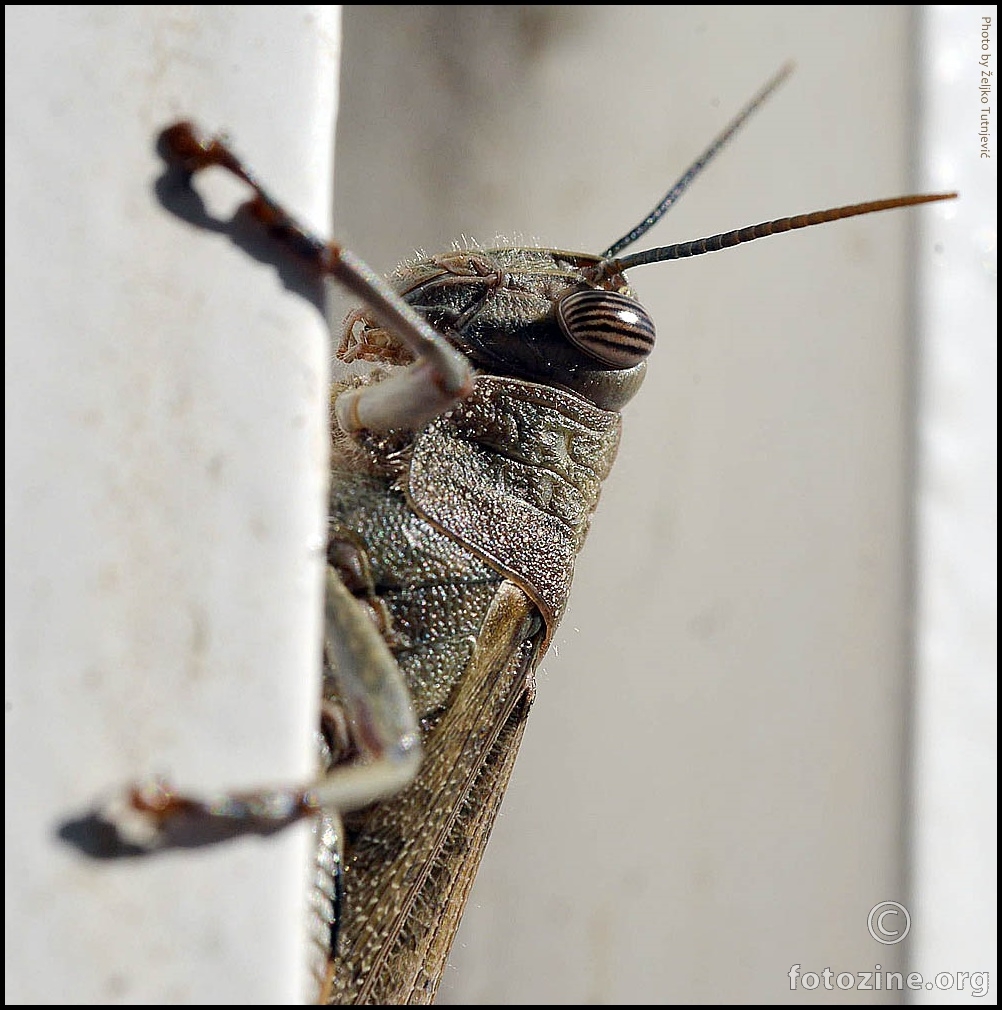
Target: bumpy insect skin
{"x":460,"y":539}
{"x":514,"y":472}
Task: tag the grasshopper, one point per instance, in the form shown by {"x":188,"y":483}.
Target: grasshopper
{"x":465,"y":468}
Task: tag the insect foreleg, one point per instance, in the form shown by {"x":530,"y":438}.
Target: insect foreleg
{"x":439,"y":377}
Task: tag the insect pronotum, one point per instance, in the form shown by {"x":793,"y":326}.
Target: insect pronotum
{"x":465,"y":469}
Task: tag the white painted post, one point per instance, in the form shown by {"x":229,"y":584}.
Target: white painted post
{"x":166,"y":442}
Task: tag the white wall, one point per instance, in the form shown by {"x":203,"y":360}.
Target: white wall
{"x":954,"y":830}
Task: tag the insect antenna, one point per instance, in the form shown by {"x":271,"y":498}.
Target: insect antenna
{"x":725,"y":240}
{"x":698,"y":165}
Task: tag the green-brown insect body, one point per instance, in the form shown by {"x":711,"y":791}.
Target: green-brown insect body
{"x":461,"y":538}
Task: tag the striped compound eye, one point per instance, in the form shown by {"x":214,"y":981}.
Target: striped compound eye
{"x":607,"y":326}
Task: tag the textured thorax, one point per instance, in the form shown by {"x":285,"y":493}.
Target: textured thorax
{"x":514,"y":472}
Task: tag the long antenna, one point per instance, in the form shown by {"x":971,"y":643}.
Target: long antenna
{"x":698,"y":165}
{"x":726,"y":239}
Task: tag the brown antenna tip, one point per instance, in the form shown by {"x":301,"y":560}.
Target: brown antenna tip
{"x":732,"y":238}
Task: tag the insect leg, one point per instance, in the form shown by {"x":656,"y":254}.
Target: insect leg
{"x":371,"y":688}
{"x":439,"y":377}
{"x":326,"y":897}
{"x":384,"y":731}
